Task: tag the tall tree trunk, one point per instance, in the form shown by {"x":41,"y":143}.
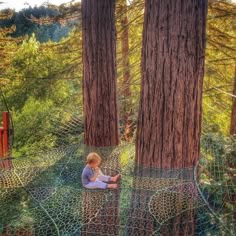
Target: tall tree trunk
{"x":99,"y":73}
{"x":100,"y":104}
{"x":125,"y":108}
{"x":169,"y":121}
{"x":231,"y":163}
{"x":233,"y":113}
{"x":125,"y":49}
{"x":126,"y":92}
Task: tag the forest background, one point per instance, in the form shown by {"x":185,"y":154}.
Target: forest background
{"x":41,"y":77}
{"x":41,"y":71}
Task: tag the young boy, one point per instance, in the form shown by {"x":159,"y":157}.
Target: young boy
{"x":92,"y":176}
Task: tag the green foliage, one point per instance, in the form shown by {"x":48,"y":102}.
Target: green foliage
{"x":220,"y":64}
{"x":25,"y":23}
{"x":31,"y":124}
{"x":217,"y":176}
{"x":39,"y":90}
{"x":35,"y":72}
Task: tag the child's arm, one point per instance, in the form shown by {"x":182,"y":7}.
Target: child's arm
{"x":95,"y":175}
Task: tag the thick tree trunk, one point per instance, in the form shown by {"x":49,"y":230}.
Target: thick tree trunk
{"x":233,"y":113}
{"x":99,"y":73}
{"x":100,"y":106}
{"x":169,"y":121}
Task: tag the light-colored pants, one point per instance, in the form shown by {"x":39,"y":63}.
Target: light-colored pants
{"x":99,"y":182}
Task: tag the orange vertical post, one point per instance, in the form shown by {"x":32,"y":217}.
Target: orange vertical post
{"x":1,"y":148}
{"x":6,"y":125}
{"x":4,"y":140}
{"x":1,"y":142}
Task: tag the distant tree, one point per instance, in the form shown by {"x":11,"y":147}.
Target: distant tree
{"x":125,"y":93}
{"x":122,"y":15}
{"x":233,"y":112}
{"x":25,"y":25}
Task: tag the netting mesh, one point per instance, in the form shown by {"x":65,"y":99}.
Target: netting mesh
{"x":43,"y":195}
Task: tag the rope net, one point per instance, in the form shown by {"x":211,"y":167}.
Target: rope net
{"x":43,"y":195}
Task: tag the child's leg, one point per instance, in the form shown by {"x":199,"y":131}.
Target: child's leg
{"x":112,"y":186}
{"x":103,"y":177}
{"x":115,"y":178}
{"x":99,"y":185}
{"x":96,"y":185}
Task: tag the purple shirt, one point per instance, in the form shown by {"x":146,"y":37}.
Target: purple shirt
{"x":87,"y":174}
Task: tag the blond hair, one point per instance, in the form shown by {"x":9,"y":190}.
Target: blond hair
{"x":93,"y":157}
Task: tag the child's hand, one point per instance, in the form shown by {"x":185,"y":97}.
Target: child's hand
{"x":97,"y":170}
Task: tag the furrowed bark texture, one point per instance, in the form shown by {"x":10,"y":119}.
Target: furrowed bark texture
{"x":125,"y":50}
{"x":99,"y":73}
{"x":126,"y":82}
{"x":169,"y":121}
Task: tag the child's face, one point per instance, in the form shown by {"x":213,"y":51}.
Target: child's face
{"x":95,"y":164}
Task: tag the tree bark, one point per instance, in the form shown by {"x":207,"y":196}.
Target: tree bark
{"x":125,"y":49}
{"x":169,"y":120}
{"x":125,"y":92}
{"x":99,"y":73}
{"x":233,"y":113}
